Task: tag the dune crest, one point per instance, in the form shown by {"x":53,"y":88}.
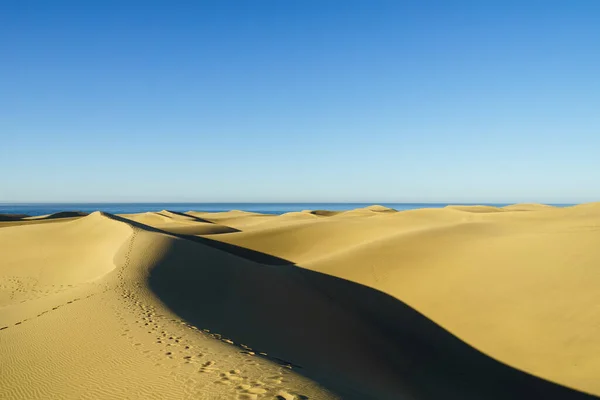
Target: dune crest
{"x":528,"y":207}
{"x":70,"y":252}
{"x":476,"y":209}
{"x":62,"y":214}
{"x":378,"y":208}
{"x":12,"y":217}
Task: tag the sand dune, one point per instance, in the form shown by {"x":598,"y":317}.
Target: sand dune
{"x":236,"y":219}
{"x":322,"y":213}
{"x":12,"y":217}
{"x":466,"y":302}
{"x":62,"y":214}
{"x":477,"y":209}
{"x":179,"y":223}
{"x":380,"y":209}
{"x":22,"y":219}
{"x":527,"y":207}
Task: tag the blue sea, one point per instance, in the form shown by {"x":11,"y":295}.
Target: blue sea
{"x":34,"y":209}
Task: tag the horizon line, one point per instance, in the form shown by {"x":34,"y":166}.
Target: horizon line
{"x":283,"y":202}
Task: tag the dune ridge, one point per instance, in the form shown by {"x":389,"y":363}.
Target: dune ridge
{"x":62,"y":214}
{"x":12,"y":217}
{"x":454,"y":303}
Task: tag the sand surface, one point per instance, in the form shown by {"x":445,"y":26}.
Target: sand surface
{"x":465,"y":302}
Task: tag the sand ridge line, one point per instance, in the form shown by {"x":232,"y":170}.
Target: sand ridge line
{"x":180,"y":353}
{"x":180,"y":360}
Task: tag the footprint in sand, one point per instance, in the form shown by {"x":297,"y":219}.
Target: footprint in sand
{"x":285,"y":395}
{"x":256,"y":390}
{"x":226,"y":378}
{"x":250,"y":392}
{"x":275,"y":379}
{"x":247,"y":396}
{"x":244,"y":388}
{"x":207,"y":367}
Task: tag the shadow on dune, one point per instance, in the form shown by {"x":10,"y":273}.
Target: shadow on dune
{"x":63,"y":214}
{"x":182,"y":232}
{"x":12,"y":217}
{"x":238,"y":251}
{"x":189,"y":216}
{"x":324,"y":213}
{"x":357,"y":341}
{"x":22,"y":219}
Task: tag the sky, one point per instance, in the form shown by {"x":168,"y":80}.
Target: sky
{"x":300,"y":101}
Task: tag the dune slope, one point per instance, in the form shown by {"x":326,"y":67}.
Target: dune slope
{"x":78,"y":320}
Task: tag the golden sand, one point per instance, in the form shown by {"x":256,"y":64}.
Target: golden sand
{"x":465,"y":302}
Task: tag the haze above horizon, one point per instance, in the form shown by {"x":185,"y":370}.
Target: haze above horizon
{"x":271,"y":101}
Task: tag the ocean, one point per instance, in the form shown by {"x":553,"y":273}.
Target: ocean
{"x":34,"y":209}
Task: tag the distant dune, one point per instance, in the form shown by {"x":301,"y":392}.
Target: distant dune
{"x":527,"y":207}
{"x":22,"y":219}
{"x":63,"y":214}
{"x":322,"y":213}
{"x":477,"y":209}
{"x":12,"y":217}
{"x":464,"y":302}
{"x":378,"y":208}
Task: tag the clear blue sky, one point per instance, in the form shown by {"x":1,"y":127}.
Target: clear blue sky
{"x":273,"y":100}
